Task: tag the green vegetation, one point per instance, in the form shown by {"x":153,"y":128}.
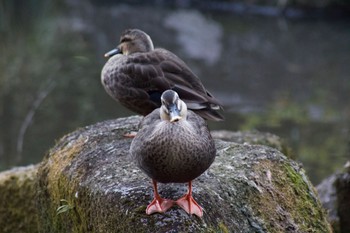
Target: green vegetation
{"x":64,"y":207}
{"x":18,"y":209}
{"x":289,"y":189}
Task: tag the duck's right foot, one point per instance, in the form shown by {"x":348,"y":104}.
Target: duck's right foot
{"x":159,"y":205}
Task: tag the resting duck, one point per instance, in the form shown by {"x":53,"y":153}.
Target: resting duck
{"x":173,"y":145}
{"x":136,"y":75}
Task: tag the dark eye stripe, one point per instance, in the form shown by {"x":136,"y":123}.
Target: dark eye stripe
{"x":125,"y":39}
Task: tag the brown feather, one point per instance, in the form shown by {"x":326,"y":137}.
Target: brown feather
{"x":132,"y":78}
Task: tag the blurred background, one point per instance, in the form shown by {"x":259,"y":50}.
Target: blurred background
{"x":277,"y":66}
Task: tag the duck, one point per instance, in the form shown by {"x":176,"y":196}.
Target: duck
{"x":173,"y":145}
{"x":136,"y":74}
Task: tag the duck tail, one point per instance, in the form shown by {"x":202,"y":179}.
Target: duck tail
{"x":210,"y":114}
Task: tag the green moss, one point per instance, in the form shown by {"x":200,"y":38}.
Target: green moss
{"x":73,"y":162}
{"x":141,"y":209}
{"x":288,"y":197}
{"x":18,"y":211}
{"x":60,"y":187}
{"x":220,"y":228}
{"x":223,"y":228}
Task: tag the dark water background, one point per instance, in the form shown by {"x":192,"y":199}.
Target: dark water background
{"x":290,"y":77}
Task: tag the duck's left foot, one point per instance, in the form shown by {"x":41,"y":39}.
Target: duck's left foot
{"x":190,"y":205}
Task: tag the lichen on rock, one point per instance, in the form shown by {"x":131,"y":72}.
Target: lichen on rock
{"x":249,"y":188}
{"x":18,"y":210}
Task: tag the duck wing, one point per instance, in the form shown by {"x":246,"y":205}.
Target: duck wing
{"x":189,"y":86}
{"x":139,"y":79}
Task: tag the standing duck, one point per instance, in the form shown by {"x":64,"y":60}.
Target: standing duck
{"x":173,"y":145}
{"x":136,"y":75}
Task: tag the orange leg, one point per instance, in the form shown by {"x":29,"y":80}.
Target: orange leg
{"x":158,"y":205}
{"x":189,"y":204}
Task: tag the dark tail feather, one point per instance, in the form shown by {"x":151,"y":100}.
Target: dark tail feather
{"x":210,"y":114}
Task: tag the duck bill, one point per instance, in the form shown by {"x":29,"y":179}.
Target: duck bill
{"x":113,"y":52}
{"x":174,"y":113}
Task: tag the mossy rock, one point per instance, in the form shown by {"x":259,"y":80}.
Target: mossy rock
{"x":87,"y":183}
{"x":18,"y":210}
{"x":249,"y":188}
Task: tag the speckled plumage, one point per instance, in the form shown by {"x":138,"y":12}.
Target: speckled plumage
{"x":175,"y":152}
{"x":173,"y":145}
{"x":137,"y":74}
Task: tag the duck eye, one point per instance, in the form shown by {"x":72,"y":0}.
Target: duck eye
{"x":125,"y":39}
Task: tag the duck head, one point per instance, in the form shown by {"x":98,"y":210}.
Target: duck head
{"x":132,"y":41}
{"x":173,"y":108}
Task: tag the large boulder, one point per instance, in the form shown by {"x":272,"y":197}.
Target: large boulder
{"x":254,"y":137}
{"x":87,"y":183}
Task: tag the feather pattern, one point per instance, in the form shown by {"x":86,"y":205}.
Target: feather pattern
{"x":138,"y":79}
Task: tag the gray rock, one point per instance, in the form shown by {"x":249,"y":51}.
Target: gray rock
{"x":343,"y":199}
{"x":254,"y":137}
{"x":328,"y":197}
{"x":334,"y":193}
{"x":249,"y":188}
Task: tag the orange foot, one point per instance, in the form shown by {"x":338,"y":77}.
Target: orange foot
{"x":189,"y":204}
{"x":159,"y":205}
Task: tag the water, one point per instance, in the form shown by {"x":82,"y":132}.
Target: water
{"x":288,"y":77}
